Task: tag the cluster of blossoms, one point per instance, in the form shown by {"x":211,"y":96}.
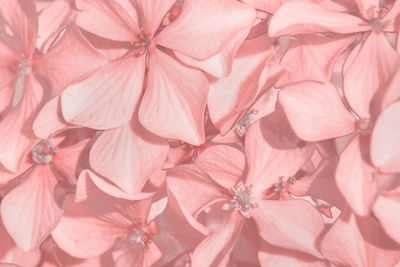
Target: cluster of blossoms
{"x":200,"y":133}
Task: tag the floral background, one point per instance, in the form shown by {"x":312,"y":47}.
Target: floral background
{"x":199,"y":133}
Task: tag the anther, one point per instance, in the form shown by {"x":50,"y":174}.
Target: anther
{"x":242,"y":200}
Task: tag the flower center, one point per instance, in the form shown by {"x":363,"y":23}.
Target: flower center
{"x":242,"y":200}
{"x":137,"y":239}
{"x":42,"y":152}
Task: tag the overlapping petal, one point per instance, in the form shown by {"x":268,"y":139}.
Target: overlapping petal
{"x":311,"y":116}
{"x":107,"y":98}
{"x":174,"y":102}
{"x":189,"y":34}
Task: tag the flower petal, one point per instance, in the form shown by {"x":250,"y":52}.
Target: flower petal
{"x":107,"y":19}
{"x":193,"y":190}
{"x":190,"y":33}
{"x":174,"y":102}
{"x":385,"y":140}
{"x":52,"y":20}
{"x":224,"y":163}
{"x":317,"y":55}
{"x":146,"y":257}
{"x":11,"y":253}
{"x":21,"y":17}
{"x":66,"y":160}
{"x":73,"y":57}
{"x":89,"y":228}
{"x":358,"y":241}
{"x":219,"y":65}
{"x":291,"y":224}
{"x":216,"y":248}
{"x":49,"y":121}
{"x":16,"y":135}
{"x":128,"y":155}
{"x":90,"y":186}
{"x":106,"y":99}
{"x":387,"y":210}
{"x":315,"y":111}
{"x":367,"y":69}
{"x":32,"y":210}
{"x":304,"y":17}
{"x":271,"y":154}
{"x":355,"y":178}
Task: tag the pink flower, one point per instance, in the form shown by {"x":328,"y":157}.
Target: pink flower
{"x":293,"y":224}
{"x":33,"y":204}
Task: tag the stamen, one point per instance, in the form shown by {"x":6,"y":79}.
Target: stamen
{"x":42,"y":153}
{"x":242,"y":200}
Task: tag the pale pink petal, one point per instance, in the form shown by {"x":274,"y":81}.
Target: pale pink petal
{"x":89,"y":228}
{"x":32,"y":210}
{"x":72,"y":58}
{"x":219,"y":65}
{"x":317,"y":55}
{"x":190,"y":33}
{"x":51,"y":21}
{"x":107,"y":98}
{"x":193,"y":190}
{"x":224,"y":163}
{"x":367,"y":69}
{"x":174,"y":102}
{"x":22,"y":19}
{"x":356,"y":179}
{"x":392,"y":92}
{"x":274,"y":256}
{"x":16,"y":135}
{"x":292,"y":224}
{"x":216,"y":248}
{"x":269,"y":6}
{"x":6,"y":96}
{"x":49,"y":121}
{"x":241,"y":88}
{"x":303,"y":17}
{"x":128,"y":155}
{"x":11,"y":253}
{"x":151,"y":13}
{"x":107,"y":19}
{"x":354,"y":241}
{"x":90,"y":186}
{"x":271,"y":155}
{"x":315,"y":111}
{"x":385,"y":140}
{"x":387,"y":210}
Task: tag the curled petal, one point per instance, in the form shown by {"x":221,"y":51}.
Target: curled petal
{"x":216,"y":248}
{"x":193,"y":191}
{"x":190,"y":33}
{"x":305,"y":17}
